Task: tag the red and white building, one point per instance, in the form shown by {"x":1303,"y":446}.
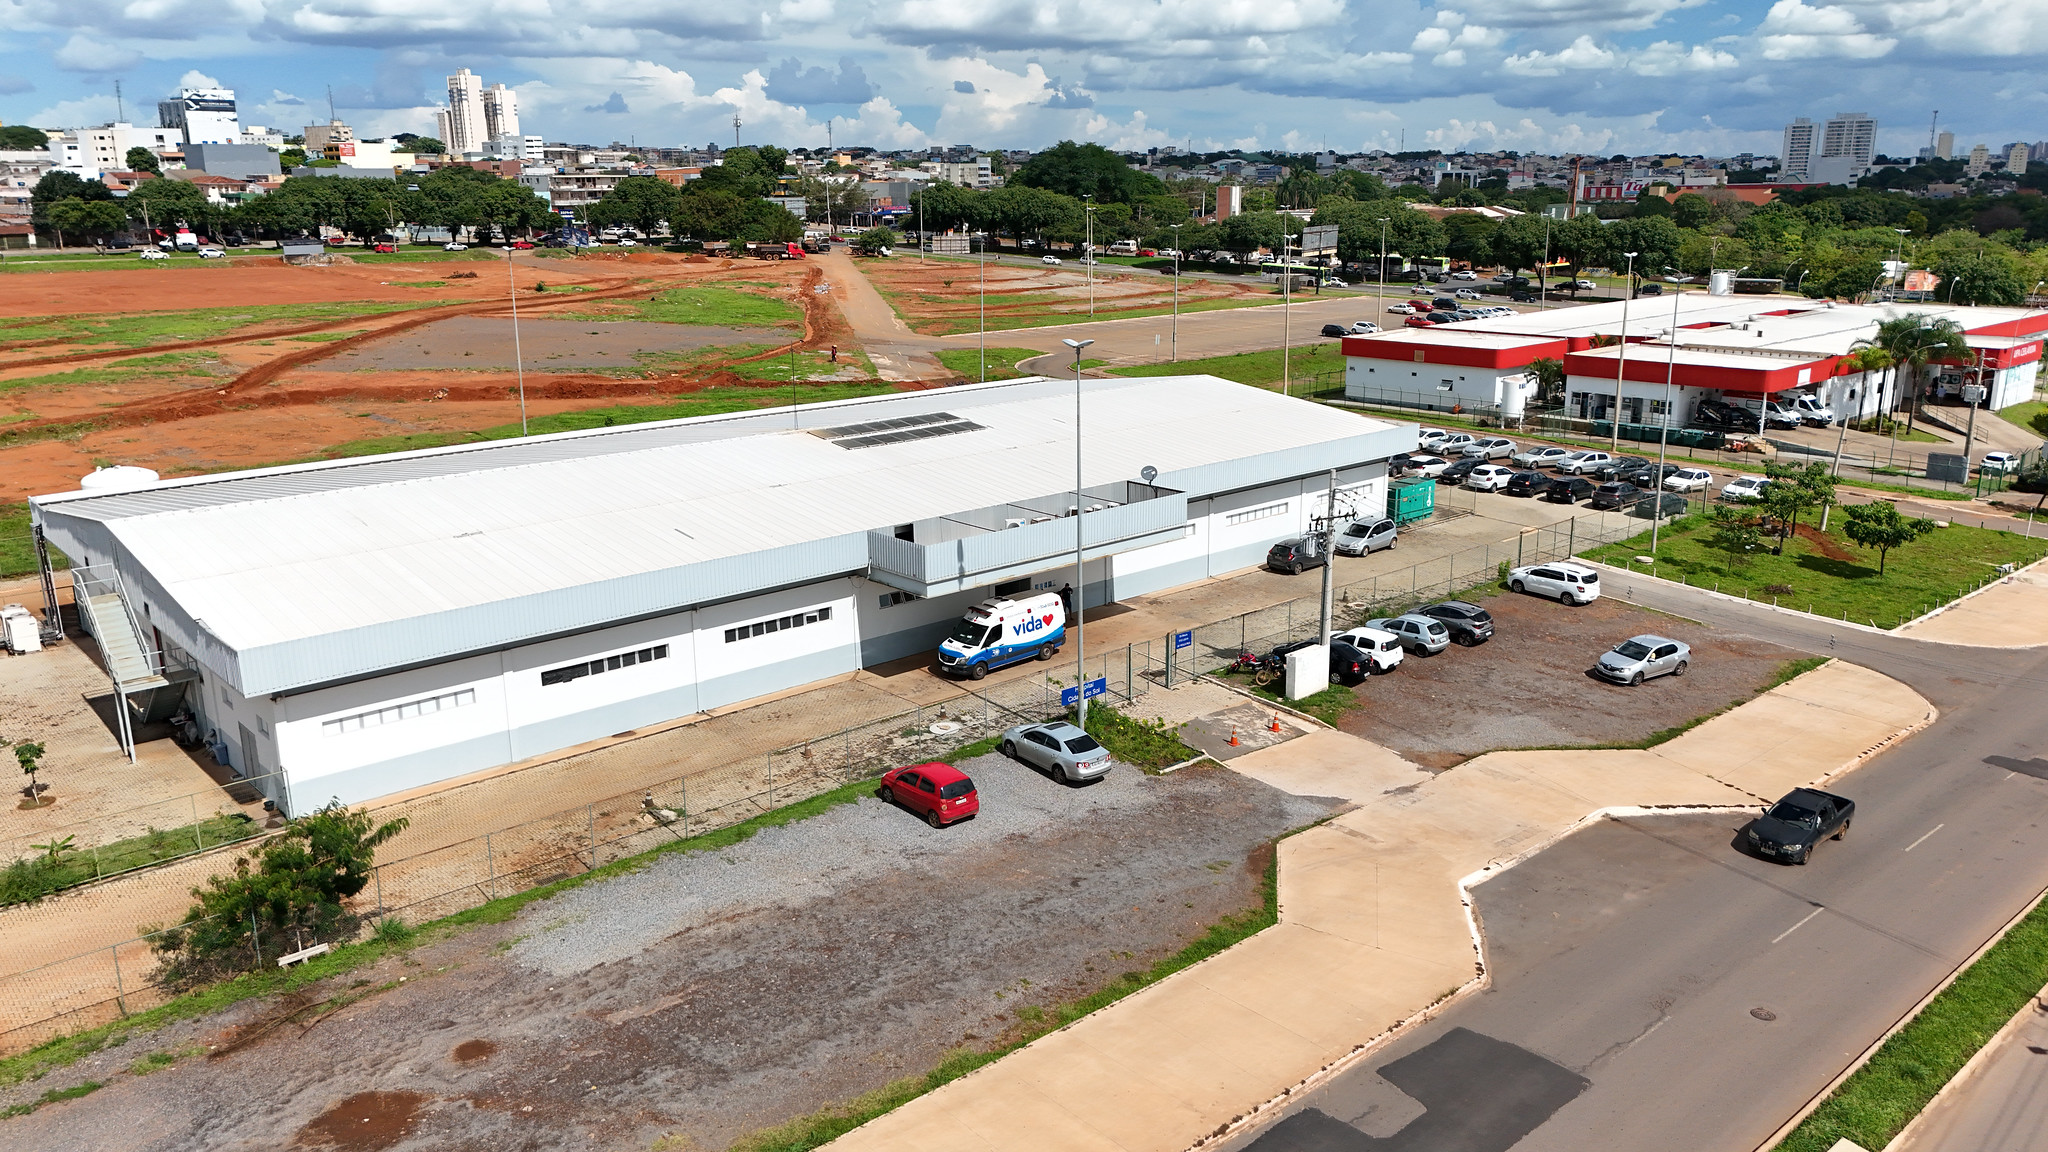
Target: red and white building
{"x":1664,"y":354}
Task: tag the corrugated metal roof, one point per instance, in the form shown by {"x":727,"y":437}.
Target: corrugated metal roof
{"x":408,"y":549}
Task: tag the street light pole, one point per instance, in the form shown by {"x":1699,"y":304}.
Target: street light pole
{"x":1621,"y":354}
{"x":1664,"y":430}
{"x":981,"y":335}
{"x":1543,"y":273}
{"x":518,"y":361}
{"x":1088,"y":260}
{"x":1383,"y":270}
{"x":1080,"y":573}
{"x":1174,"y":340}
{"x":1286,"y":311}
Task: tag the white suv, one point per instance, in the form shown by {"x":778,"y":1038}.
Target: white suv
{"x":1744,"y":488}
{"x":1569,"y":583}
{"x":1380,"y":646}
{"x":1488,"y":478}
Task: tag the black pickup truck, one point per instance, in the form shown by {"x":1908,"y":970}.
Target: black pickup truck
{"x":1788,"y":830}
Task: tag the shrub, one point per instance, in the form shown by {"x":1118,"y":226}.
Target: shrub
{"x":290,"y":890}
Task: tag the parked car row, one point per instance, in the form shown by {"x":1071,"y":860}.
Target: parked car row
{"x":1379,"y":645}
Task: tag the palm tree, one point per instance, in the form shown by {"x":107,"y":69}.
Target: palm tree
{"x":1915,"y":340}
{"x":1549,"y":376}
{"x":1870,"y":358}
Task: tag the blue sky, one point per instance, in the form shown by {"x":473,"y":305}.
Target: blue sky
{"x":1599,"y":76}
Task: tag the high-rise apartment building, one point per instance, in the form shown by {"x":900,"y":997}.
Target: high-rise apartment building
{"x":1945,"y":146}
{"x":501,"y":112}
{"x":1851,"y":136}
{"x":1980,"y":161}
{"x":1796,"y":158}
{"x":202,"y":115}
{"x":2016,"y":159}
{"x":464,"y":130}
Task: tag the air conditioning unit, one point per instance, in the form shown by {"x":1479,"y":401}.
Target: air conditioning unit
{"x":1013,"y":522}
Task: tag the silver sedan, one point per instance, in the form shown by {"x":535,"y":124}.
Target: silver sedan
{"x":1068,"y":754}
{"x":1641,"y":658}
{"x":1422,"y":635}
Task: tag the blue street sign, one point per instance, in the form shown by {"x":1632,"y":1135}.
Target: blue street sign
{"x":1096,"y":687}
{"x":1069,"y":697}
{"x":1183,"y":639}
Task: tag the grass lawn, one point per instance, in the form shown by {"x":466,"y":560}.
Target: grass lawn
{"x":1261,"y":369}
{"x":170,"y":364}
{"x":709,"y":402}
{"x":1882,"y":1097}
{"x":2032,"y":415}
{"x":17,"y":545}
{"x":414,"y":255}
{"x":708,"y":305}
{"x":807,"y":366}
{"x":1002,"y":362}
{"x":1149,"y":745}
{"x":1921,"y":576}
{"x":34,"y":877}
{"x":139,"y":329}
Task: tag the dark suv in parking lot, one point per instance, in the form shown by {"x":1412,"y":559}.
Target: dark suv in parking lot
{"x":1614,"y":495}
{"x":1469,"y":624}
{"x":1530,"y":483}
{"x":1616,"y":469}
{"x":1568,"y":489}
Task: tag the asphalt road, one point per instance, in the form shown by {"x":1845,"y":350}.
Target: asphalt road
{"x":1634,"y":953}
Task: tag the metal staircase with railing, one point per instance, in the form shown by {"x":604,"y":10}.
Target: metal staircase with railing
{"x":136,"y":667}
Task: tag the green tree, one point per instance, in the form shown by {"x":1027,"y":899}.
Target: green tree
{"x":93,"y":219}
{"x":1549,"y":376}
{"x":162,"y":203}
{"x":1469,"y":237}
{"x":1581,"y":242}
{"x":292,"y":887}
{"x":29,"y":755}
{"x":140,"y":159}
{"x":944,"y":206}
{"x":1914,"y":341}
{"x":874,"y":240}
{"x":22,"y":138}
{"x":1650,"y":204}
{"x":1851,"y":281}
{"x":1692,"y":210}
{"x":1020,"y":211}
{"x":422,"y":145}
{"x":1654,"y":240}
{"x":1737,"y":530}
{"x":1251,"y":231}
{"x":1793,"y":490}
{"x":1879,"y":525}
{"x":1519,"y":242}
{"x":645,"y":202}
{"x":1080,"y":170}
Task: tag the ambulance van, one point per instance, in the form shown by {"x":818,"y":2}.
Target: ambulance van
{"x":1001,"y":631}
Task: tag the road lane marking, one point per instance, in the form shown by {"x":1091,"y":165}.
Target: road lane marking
{"x":1923,"y":839}
{"x":1798,"y":926}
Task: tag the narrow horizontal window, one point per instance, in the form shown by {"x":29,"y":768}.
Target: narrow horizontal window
{"x":569,"y":672}
{"x":392,"y":714}
{"x":785,"y":623}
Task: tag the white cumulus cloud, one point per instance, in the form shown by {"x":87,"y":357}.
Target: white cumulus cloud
{"x":1795,"y":30}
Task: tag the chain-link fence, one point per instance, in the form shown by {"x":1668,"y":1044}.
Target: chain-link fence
{"x":440,"y":879}
{"x":39,"y":863}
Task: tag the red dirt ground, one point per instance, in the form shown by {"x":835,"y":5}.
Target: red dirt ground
{"x":260,"y":408}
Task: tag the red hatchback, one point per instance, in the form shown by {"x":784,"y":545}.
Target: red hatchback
{"x":940,"y":793}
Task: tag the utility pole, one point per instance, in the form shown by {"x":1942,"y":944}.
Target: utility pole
{"x":1621,"y":352}
{"x":1329,"y":560}
{"x":1286,"y":310}
{"x":1174,"y":344}
{"x":120,"y":108}
{"x":735,"y":130}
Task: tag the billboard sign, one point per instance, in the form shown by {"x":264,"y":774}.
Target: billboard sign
{"x":1320,"y":240}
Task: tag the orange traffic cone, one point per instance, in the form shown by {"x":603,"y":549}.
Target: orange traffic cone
{"x":1233,"y":735}
{"x":1275,"y":725}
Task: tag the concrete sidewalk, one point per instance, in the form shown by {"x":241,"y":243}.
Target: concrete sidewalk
{"x":1998,"y":1101}
{"x":2012,"y":613}
{"x":1374,"y":925}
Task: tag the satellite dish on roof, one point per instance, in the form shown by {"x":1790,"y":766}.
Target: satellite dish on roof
{"x":1149,"y":473}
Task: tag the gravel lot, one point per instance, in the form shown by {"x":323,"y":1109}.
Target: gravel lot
{"x":1531,"y":685}
{"x":720,"y":992}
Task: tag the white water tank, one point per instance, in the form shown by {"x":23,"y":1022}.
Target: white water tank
{"x":119,"y":478}
{"x":1721,"y":284}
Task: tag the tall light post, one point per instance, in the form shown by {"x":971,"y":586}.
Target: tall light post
{"x":981,"y":334}
{"x":1088,"y":259}
{"x":1543,"y":273}
{"x":1174,"y":341}
{"x":518,"y":361}
{"x":1080,"y":573}
{"x":1621,"y":354}
{"x":1383,"y":269}
{"x":1286,"y":310}
{"x":1664,"y":429}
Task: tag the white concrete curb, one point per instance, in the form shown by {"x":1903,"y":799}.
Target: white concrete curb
{"x":1964,"y":1074}
{"x":1831,"y":621}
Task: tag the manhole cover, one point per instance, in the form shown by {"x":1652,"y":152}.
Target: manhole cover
{"x":1763,"y":1013}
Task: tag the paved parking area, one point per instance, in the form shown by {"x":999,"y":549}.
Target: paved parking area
{"x":715,"y":993}
{"x":1531,"y":685}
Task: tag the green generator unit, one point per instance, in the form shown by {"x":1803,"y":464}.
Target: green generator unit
{"x":1411,"y":500}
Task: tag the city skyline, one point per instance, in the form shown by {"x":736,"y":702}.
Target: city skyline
{"x":1688,"y":76}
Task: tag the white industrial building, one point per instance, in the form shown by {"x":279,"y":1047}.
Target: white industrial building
{"x":1702,"y":345}
{"x":369,"y":625}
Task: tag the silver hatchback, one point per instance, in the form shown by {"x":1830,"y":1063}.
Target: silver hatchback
{"x":1059,"y":749}
{"x":1423,"y":635}
{"x":1641,"y":658}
